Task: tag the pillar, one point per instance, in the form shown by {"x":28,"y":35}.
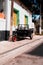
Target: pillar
{"x":8,"y":16}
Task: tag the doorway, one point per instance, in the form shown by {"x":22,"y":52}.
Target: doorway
{"x":15,"y":17}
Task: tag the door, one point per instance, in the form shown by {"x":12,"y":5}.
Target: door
{"x":15,"y":18}
{"x":26,"y":20}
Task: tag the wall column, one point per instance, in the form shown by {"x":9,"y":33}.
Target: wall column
{"x":7,"y":14}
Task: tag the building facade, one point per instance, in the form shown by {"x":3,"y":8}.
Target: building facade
{"x":20,"y":16}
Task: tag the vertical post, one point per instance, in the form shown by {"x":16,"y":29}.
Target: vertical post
{"x":11,"y":20}
{"x":40,"y":18}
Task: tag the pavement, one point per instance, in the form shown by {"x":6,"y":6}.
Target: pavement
{"x":12,"y":49}
{"x":7,"y":45}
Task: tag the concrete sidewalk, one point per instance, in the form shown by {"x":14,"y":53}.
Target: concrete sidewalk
{"x":7,"y":45}
{"x":9,"y":50}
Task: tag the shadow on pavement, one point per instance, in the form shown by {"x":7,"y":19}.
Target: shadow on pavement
{"x":37,"y":51}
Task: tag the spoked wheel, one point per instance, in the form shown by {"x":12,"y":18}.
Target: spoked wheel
{"x":14,"y":38}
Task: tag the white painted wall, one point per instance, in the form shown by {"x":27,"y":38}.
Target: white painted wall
{"x":5,"y":23}
{"x":2,"y":24}
{"x":22,"y":13}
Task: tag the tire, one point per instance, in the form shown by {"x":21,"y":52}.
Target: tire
{"x":31,"y":36}
{"x":14,"y":38}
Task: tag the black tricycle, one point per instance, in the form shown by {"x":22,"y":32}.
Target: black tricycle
{"x":22,"y":31}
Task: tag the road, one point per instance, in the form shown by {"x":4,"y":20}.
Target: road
{"x":25,"y":59}
{"x":35,"y":57}
{"x":10,"y":50}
